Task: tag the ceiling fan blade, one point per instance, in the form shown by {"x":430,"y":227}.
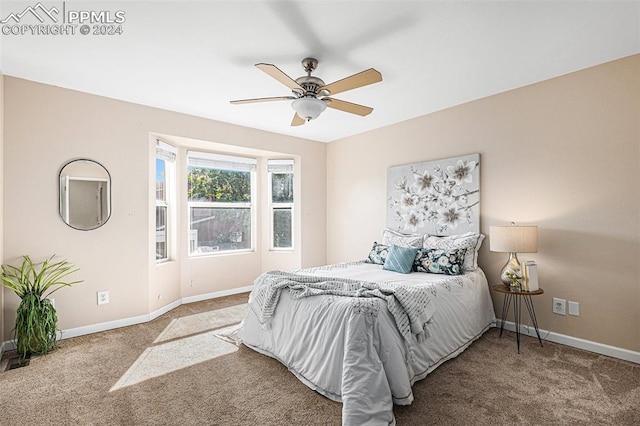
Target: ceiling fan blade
{"x":297,"y":120}
{"x":276,"y":73}
{"x":363,"y":78}
{"x":348,"y":107}
{"x":250,"y":101}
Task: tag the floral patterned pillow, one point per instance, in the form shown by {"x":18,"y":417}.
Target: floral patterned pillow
{"x":470,"y":241}
{"x":378,"y":254}
{"x":440,"y":261}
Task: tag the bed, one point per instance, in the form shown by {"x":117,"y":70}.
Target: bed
{"x":351,"y":350}
{"x":362,"y":333}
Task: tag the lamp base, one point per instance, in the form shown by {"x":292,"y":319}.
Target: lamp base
{"x":512,"y":266}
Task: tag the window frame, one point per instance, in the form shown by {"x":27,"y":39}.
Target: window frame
{"x":286,"y":167}
{"x":227,"y":163}
{"x":166,"y":153}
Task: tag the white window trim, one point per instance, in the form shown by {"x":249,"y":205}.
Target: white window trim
{"x":279,"y":167}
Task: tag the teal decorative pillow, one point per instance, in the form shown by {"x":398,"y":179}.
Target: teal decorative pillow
{"x":400,"y":259}
{"x":440,"y":261}
{"x":378,"y":254}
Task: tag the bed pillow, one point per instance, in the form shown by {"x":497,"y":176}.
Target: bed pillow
{"x":470,"y":241}
{"x":439,"y":261}
{"x":378,"y":254}
{"x":400,"y":259}
{"x":393,"y":238}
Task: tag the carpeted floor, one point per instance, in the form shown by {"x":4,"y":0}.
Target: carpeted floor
{"x":173,"y":371}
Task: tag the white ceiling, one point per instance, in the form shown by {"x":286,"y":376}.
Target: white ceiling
{"x":194,"y":57}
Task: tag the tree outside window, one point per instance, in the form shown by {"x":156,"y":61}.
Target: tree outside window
{"x":219,"y":191}
{"x":281,"y":203}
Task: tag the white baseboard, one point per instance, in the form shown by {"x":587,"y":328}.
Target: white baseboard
{"x":166,"y":308}
{"x":575,"y":342}
{"x":216,"y":294}
{"x":125,"y":322}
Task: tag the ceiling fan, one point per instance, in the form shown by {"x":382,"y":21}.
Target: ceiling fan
{"x":310,"y":95}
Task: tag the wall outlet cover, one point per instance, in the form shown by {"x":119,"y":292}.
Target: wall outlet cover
{"x":103,"y":297}
{"x":574,"y":308}
{"x":559,"y":306}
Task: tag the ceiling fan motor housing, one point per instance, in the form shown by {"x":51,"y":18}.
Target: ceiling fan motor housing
{"x":311,"y":85}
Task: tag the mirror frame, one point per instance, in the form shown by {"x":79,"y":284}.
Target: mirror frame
{"x":60,"y":194}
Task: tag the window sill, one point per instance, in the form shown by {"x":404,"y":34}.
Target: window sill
{"x":221,"y":254}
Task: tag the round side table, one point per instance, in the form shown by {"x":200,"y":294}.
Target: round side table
{"x":516,"y":296}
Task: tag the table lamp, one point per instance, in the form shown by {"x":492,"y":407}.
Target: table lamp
{"x":513,"y":240}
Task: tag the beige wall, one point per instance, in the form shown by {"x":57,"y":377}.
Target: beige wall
{"x":47,"y":126}
{"x":571,"y":142}
{"x":562,"y":154}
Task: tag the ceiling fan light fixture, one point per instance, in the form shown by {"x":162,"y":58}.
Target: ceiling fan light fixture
{"x":309,"y":108}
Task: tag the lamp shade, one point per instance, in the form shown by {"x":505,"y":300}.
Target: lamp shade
{"x":513,"y":239}
{"x":308,"y":108}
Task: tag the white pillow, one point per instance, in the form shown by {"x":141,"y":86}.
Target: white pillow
{"x":471,"y":241}
{"x":393,"y":238}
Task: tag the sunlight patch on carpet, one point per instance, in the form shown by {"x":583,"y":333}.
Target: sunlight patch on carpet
{"x":183,"y":343}
{"x":205,"y":321}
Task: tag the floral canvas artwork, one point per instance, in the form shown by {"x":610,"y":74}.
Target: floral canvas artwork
{"x":435,"y":197}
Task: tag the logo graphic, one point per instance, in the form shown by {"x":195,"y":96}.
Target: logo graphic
{"x":33,"y":10}
{"x":39,"y":20}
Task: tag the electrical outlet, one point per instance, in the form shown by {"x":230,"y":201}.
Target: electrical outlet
{"x":103,"y":297}
{"x":559,"y":306}
{"x":574,"y":308}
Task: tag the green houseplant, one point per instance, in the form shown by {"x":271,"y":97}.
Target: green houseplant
{"x":36,"y":318}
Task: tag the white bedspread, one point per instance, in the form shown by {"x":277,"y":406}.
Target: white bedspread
{"x":349,"y":348}
{"x":409,"y":304}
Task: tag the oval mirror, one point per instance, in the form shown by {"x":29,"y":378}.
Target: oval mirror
{"x":85,"y":194}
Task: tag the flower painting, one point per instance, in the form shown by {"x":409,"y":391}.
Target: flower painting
{"x":435,"y":197}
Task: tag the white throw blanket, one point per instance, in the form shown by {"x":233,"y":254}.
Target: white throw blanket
{"x":410,"y":305}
